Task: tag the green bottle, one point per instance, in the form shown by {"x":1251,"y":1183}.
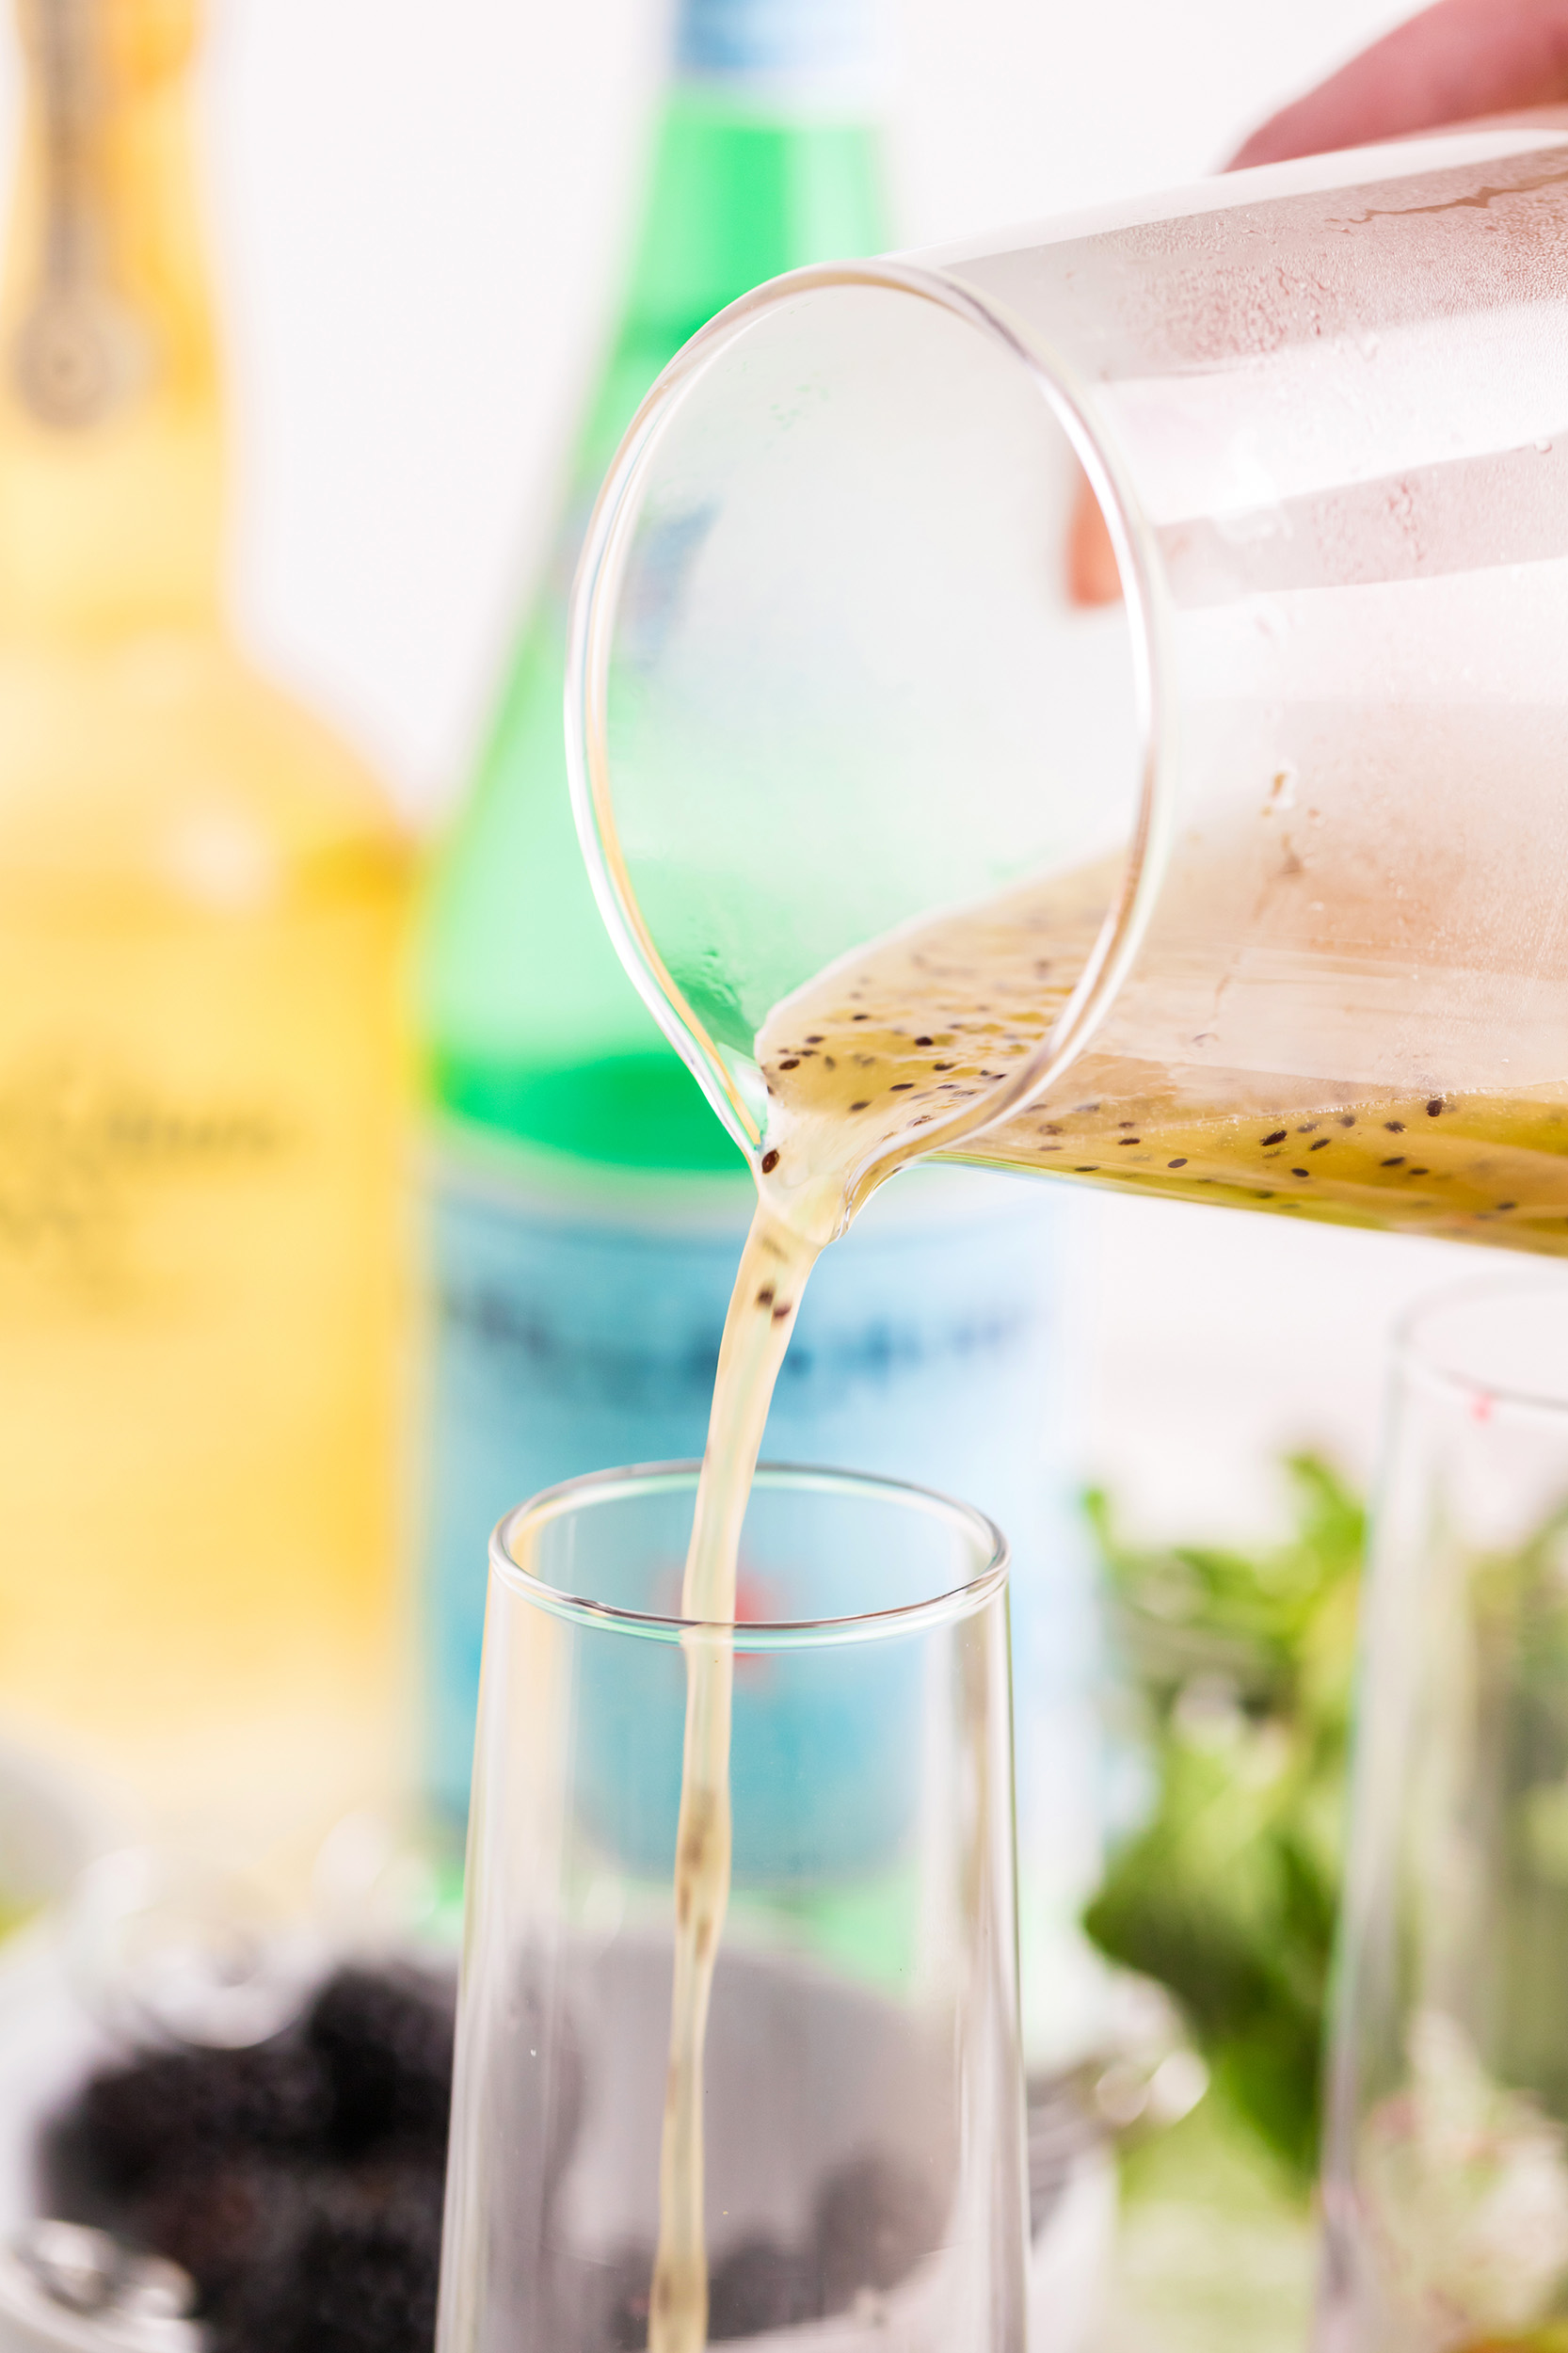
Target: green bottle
{"x":766,"y":158}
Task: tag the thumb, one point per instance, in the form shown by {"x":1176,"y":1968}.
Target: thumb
{"x":1452,"y":63}
{"x":1455,"y":61}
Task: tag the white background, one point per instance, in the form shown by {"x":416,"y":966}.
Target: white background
{"x":420,"y":208}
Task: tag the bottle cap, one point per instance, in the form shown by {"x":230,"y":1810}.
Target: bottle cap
{"x":133,"y":41}
{"x":794,"y":52}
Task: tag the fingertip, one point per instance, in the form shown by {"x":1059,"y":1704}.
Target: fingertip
{"x":1452,"y":63}
{"x":1094,"y":576}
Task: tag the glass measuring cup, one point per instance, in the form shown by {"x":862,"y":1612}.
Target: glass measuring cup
{"x":1296,"y":799}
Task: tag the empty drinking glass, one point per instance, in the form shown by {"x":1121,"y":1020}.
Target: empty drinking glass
{"x":863,"y":2112}
{"x":1446,"y":2179}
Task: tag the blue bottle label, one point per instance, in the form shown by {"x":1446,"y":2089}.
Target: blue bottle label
{"x":789,"y":49}
{"x":926,"y":1349}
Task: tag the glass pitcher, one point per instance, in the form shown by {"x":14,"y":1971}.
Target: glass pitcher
{"x":1267,"y":861}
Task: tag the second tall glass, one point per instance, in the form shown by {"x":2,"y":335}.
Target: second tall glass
{"x":1446,"y":2182}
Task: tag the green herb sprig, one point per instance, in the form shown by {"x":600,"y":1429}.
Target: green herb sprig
{"x":1243,"y":1665}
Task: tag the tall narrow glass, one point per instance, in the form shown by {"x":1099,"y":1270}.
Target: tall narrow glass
{"x":1446,"y":2173}
{"x":1275,"y":837}
{"x":865,"y":2172}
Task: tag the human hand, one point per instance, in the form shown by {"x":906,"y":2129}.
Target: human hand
{"x":1452,"y":63}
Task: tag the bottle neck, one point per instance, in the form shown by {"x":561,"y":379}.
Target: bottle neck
{"x":768,"y":156}
{"x":793,"y":60}
{"x":110,"y":433}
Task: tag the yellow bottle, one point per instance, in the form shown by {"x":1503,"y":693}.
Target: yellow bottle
{"x":201,"y":900}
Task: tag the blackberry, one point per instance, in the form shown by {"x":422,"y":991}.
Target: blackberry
{"x":223,"y":2222}
{"x":384,"y":2038}
{"x":157,"y":2112}
{"x":761,"y":2284}
{"x":875,"y":2219}
{"x":628,"y":2279}
{"x":361,"y":2274}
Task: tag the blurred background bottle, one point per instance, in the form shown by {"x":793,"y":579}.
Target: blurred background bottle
{"x":200,"y":899}
{"x":586,"y":1208}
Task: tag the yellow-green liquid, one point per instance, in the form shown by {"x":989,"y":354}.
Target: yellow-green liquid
{"x":932,"y":1023}
{"x":774,"y":1265}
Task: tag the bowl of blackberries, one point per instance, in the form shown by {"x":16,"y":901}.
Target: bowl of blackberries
{"x":298,"y":2183}
{"x":276,"y":2184}
{"x":296,"y":2180}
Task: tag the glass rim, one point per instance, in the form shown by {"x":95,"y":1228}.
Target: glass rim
{"x":591,"y":623}
{"x":1416,"y":1356}
{"x":753,"y":1634}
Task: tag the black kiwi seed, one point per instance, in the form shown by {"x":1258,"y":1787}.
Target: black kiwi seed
{"x":925,"y":1040}
{"x":1398,"y":1162}
{"x":1434,"y":1107}
{"x":1321,"y":1145}
{"x":1278,"y":1136}
{"x":864,"y":1105}
{"x":1395,"y":1126}
{"x":1347,"y":1119}
{"x":1176,"y":1164}
{"x":792,"y":1064}
{"x":765,"y":1296}
{"x":769,"y":1161}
